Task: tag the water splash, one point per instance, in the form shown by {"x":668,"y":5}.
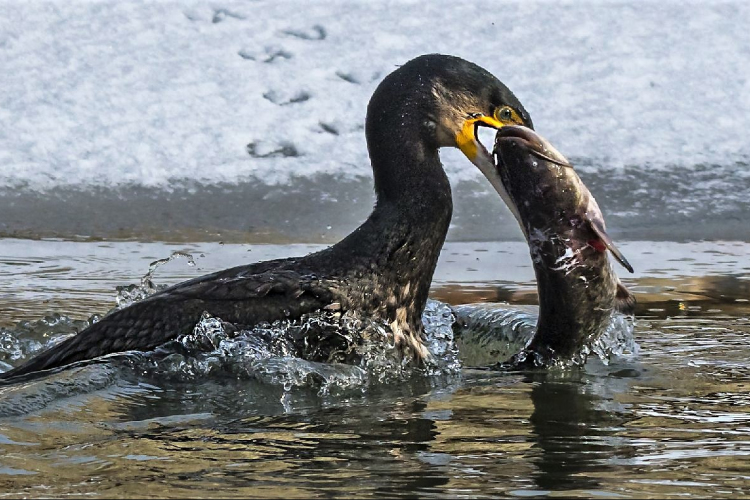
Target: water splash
{"x":129,"y":294}
{"x":324,"y":350}
{"x":488,"y":334}
{"x":30,"y":337}
{"x":438,"y":320}
{"x":617,"y":341}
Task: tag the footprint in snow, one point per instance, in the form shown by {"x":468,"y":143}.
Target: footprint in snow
{"x":285,"y":99}
{"x":268,"y":55}
{"x":317,"y":32}
{"x":222,"y":14}
{"x":268,"y":150}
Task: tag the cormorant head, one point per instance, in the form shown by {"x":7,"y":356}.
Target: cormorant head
{"x":448,"y":99}
{"x":467,"y":97}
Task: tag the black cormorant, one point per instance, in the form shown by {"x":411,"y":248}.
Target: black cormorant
{"x":384,"y":268}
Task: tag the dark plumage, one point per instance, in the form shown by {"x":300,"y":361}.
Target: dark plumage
{"x":383,"y":269}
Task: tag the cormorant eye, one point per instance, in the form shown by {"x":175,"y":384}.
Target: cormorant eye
{"x":505,"y":114}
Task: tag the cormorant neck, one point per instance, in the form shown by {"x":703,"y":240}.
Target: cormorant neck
{"x":405,"y":164}
{"x":413,"y":206}
{"x":393,"y":254}
{"x":402,"y":143}
{"x":412,"y":189}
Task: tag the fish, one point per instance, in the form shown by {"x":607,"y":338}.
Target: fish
{"x":564,"y":227}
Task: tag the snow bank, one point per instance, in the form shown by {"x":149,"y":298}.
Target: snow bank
{"x":151,"y":93}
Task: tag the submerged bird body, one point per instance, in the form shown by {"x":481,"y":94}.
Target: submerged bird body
{"x":383,"y":269}
{"x":564,"y":227}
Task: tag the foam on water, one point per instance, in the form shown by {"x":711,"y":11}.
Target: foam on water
{"x":164,"y":94}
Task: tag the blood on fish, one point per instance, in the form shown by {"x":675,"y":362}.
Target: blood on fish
{"x":598,"y":245}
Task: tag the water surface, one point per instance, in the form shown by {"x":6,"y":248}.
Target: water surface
{"x":668,"y":418}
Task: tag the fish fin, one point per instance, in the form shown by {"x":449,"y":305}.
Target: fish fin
{"x":624,"y":300}
{"x":598,"y":228}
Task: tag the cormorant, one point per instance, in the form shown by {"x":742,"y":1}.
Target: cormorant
{"x":384,"y":268}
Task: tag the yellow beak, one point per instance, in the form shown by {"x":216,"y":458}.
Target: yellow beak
{"x":466,"y":138}
{"x":469,"y":144}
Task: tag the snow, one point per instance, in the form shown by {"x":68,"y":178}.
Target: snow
{"x":152,"y":93}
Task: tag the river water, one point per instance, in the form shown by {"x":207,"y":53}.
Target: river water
{"x":667,"y":417}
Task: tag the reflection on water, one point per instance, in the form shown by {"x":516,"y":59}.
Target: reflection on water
{"x":671,"y":421}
